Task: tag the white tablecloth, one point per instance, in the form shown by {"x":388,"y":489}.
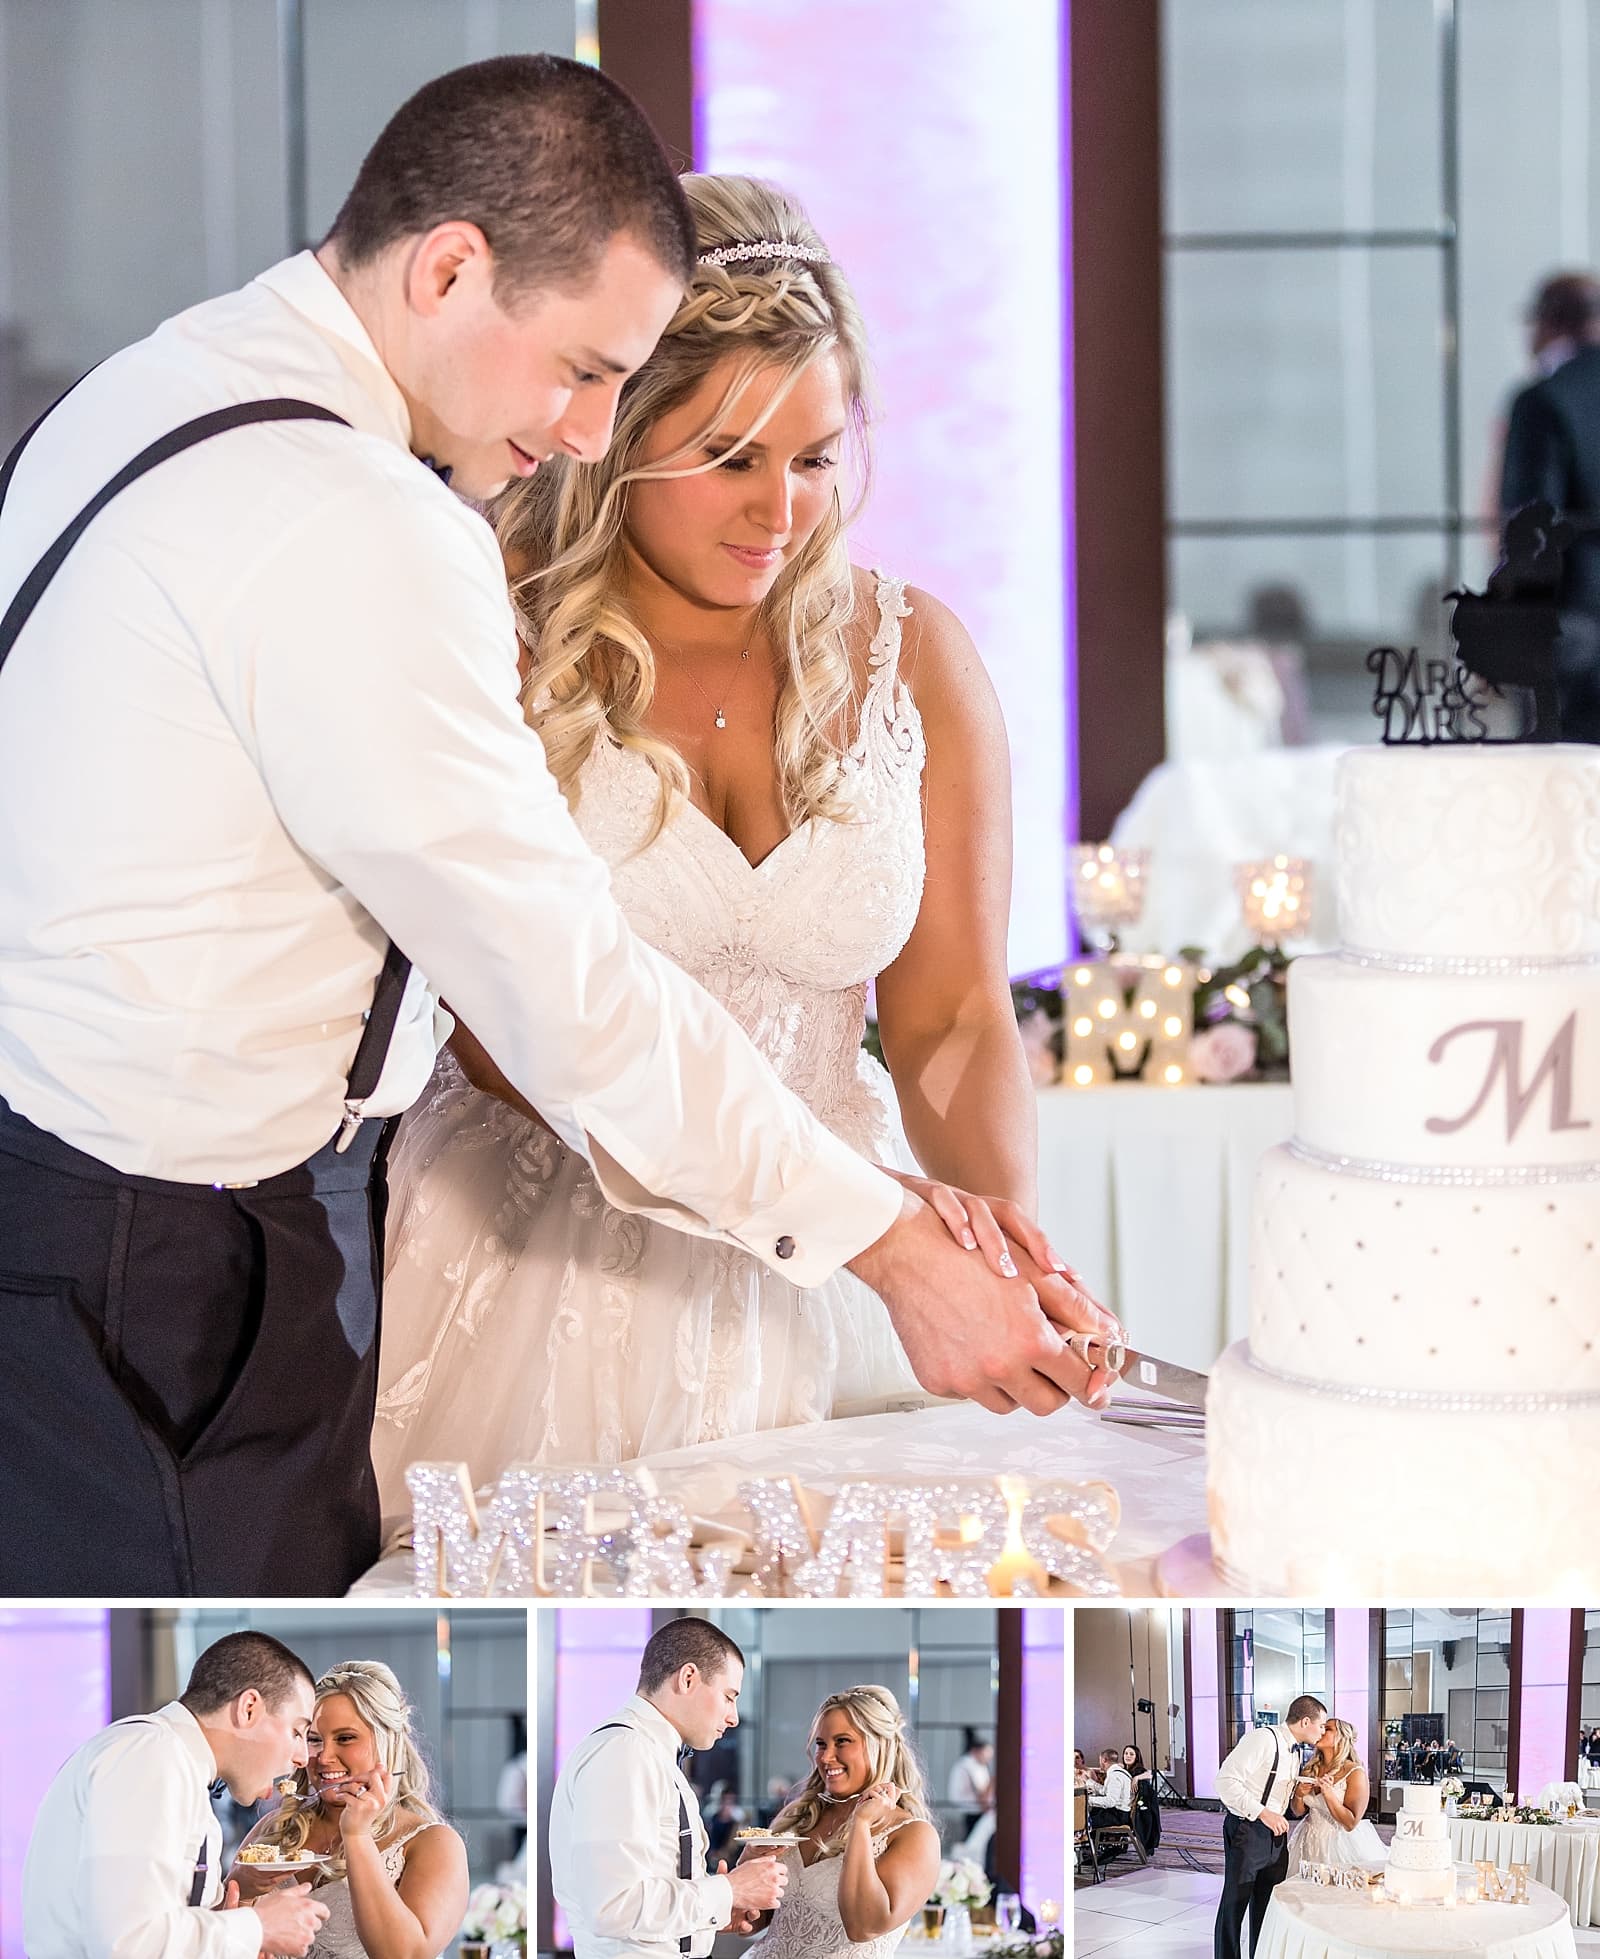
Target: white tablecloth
{"x":1566,"y":1856}
{"x":1160,"y":1478}
{"x":1312,"y":1921}
{"x":1147,"y":1191}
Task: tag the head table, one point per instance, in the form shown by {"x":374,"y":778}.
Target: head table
{"x":1565,"y":1856}
{"x":1159,"y":1477}
{"x":1311,"y":1921}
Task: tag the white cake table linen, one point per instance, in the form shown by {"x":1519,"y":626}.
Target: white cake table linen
{"x":1313,"y":1921}
{"x":1147,"y":1191}
{"x":1565,"y":1856}
{"x":1159,"y":1477}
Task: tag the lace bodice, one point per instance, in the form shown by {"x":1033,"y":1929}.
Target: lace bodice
{"x":788,"y":945}
{"x":807,"y":1924}
{"x":337,"y":1939}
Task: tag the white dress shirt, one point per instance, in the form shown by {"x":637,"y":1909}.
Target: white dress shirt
{"x":1243,"y":1773}
{"x":970,"y":1783}
{"x":613,"y":1839}
{"x":265,"y":717}
{"x":1116,"y":1792}
{"x":111,"y":1860}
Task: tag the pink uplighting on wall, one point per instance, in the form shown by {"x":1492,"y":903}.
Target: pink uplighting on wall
{"x":1546,"y":1661}
{"x":1351,"y":1687}
{"x":1044,"y":1813}
{"x":55,"y":1691}
{"x":1205,"y":1694}
{"x":597,"y":1669}
{"x":929,"y":149}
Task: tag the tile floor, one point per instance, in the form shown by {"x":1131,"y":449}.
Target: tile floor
{"x":1168,"y":1914}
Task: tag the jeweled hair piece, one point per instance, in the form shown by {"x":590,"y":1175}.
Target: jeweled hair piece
{"x":772,"y":250}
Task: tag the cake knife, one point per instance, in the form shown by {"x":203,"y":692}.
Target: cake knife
{"x":1143,"y":1371}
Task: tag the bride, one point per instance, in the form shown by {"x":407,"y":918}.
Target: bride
{"x":868,"y":1855}
{"x":797,"y":772}
{"x":399,"y":1884}
{"x":1332,"y":1804}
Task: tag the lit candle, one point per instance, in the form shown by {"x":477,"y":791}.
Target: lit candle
{"x":1015,"y":1566}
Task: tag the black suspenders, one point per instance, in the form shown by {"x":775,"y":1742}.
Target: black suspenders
{"x":685,"y":1827}
{"x":1272,"y":1773}
{"x":378,"y":1030}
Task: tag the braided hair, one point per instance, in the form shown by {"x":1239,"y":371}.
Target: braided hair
{"x":875,"y":1715}
{"x":563,"y":531}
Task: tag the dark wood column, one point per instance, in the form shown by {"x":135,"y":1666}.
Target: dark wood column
{"x":1574,"y":1692}
{"x":1114,"y":99}
{"x":1514,"y":1706}
{"x":1008,"y":1748}
{"x":648,"y":46}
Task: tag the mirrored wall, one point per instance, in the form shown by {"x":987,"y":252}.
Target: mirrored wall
{"x":1446,"y":1694}
{"x":1274,"y":1654}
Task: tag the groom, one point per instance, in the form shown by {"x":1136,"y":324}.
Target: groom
{"x":1255,"y":1784}
{"x":125,"y":1860}
{"x":627,"y":1846}
{"x":259,"y":728}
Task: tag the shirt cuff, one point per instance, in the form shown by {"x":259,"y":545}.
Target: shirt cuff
{"x":716,"y":1895}
{"x":241,"y":1932}
{"x":828,"y":1213}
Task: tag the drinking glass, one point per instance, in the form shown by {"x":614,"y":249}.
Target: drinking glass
{"x":1007,"y":1913}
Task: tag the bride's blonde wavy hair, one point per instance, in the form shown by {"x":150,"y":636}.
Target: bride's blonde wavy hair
{"x":564,"y":531}
{"x":875,"y":1715}
{"x":381,"y":1703}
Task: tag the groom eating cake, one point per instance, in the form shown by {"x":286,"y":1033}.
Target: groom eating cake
{"x":627,"y":1846}
{"x":125,"y":1860}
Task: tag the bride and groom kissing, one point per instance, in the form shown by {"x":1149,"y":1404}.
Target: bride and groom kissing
{"x":1308,"y":1768}
{"x":125,"y":1857}
{"x":628,"y":1849}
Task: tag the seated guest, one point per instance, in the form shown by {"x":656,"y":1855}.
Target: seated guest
{"x":1111,"y":1805}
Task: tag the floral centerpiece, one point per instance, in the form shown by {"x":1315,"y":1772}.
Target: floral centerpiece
{"x":1452,"y":1789}
{"x":1241,"y":1019}
{"x":1045,"y":1945}
{"x":497,"y":1917}
{"x":961,"y":1882}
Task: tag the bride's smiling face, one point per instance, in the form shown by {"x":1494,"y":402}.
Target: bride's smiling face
{"x":722,"y":538}
{"x":839,"y":1753}
{"x":341,"y":1747}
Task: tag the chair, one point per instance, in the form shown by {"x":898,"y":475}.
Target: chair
{"x":1097,"y":1841}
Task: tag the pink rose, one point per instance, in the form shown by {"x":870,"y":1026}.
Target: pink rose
{"x":1223,"y":1054}
{"x":1037,"y":1033}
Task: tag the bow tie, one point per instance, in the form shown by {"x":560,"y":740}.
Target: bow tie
{"x":441,"y":470}
{"x":683,"y":1754}
{"x":215,"y":1790}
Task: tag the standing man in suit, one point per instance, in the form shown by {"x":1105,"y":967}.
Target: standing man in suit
{"x":1552,"y":453}
{"x":1255,"y":1784}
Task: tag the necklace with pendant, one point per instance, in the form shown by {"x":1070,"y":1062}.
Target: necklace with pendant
{"x":719,"y":718}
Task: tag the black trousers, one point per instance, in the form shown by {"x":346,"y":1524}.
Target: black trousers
{"x":187,"y":1375}
{"x":1254,"y":1862}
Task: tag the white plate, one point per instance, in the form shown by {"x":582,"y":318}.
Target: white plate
{"x":281,"y":1867}
{"x":766,"y":1840}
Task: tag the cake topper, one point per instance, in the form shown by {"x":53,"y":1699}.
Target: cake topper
{"x":1505,"y":640}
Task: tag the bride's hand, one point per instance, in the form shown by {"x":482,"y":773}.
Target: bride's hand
{"x":984,"y":1224}
{"x":877,"y":1804}
{"x":364,"y":1803}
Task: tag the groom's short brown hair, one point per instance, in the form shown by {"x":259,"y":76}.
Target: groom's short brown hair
{"x":549,"y":158}
{"x":238,"y":1662}
{"x":685,"y":1642}
{"x":1300,"y":1709}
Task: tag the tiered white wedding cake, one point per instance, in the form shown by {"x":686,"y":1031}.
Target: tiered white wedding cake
{"x":1421,"y":1867}
{"x":1421,"y":1385}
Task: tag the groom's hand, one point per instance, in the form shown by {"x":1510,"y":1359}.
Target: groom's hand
{"x":742,"y":1923}
{"x":969,"y":1332}
{"x":1278,"y":1825}
{"x":290,"y":1919}
{"x":757,"y":1884}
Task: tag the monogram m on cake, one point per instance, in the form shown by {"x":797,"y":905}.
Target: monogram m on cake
{"x":1425,"y":1269}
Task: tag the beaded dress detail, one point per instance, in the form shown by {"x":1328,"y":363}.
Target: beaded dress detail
{"x":337,"y":1939}
{"x":527,"y":1320}
{"x":807,"y":1924}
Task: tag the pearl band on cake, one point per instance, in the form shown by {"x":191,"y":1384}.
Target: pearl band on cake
{"x":1452,"y":1176}
{"x":1447,"y":966}
{"x":1444,"y":1401}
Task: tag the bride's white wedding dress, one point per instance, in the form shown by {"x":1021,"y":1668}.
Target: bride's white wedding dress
{"x":807,"y":1924}
{"x":338,"y":1938}
{"x":1319,"y":1839}
{"x":527,"y":1320}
